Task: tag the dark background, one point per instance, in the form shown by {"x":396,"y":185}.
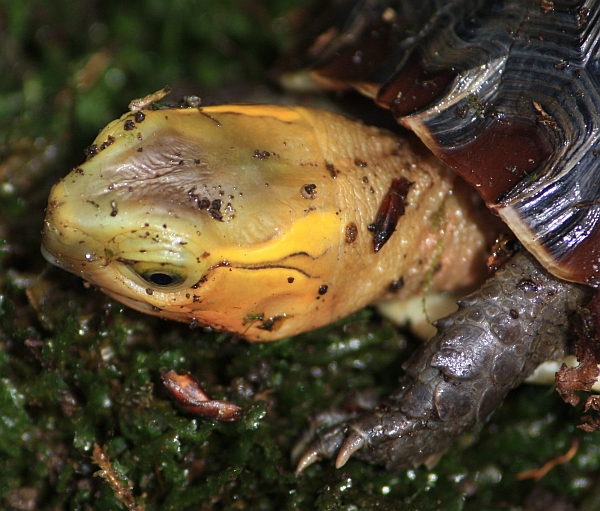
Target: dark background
{"x":77,"y":369}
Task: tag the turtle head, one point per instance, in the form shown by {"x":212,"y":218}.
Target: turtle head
{"x":188,"y":213}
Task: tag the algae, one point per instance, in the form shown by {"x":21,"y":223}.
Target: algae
{"x":78,"y":371}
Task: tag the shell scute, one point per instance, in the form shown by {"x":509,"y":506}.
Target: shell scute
{"x":508,"y":94}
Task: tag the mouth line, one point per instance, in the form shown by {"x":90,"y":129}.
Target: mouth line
{"x":139,"y":305}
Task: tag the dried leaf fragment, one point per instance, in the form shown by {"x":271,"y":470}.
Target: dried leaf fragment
{"x":591,"y":423}
{"x":587,"y":349}
{"x":144,"y":103}
{"x":191,"y":397}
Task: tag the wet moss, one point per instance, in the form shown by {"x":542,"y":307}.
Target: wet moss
{"x":78,"y":370}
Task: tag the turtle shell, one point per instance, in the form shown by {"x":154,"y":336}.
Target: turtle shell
{"x":505,"y":92}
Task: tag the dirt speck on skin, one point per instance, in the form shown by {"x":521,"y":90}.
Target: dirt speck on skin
{"x":351,"y":233}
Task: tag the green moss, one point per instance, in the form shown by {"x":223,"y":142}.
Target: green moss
{"x":78,"y":370}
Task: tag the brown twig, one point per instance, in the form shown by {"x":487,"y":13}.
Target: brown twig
{"x":121,"y":490}
{"x":538,"y":473}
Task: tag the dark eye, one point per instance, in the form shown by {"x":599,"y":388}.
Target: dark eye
{"x":162,"y":278}
{"x":160,"y":274}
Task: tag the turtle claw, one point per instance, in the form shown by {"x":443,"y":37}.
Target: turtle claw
{"x":323,"y":438}
{"x":310,"y":456}
{"x":327,"y":444}
{"x":345,"y":439}
{"x":354,"y":442}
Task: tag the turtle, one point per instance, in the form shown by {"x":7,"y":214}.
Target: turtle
{"x":331,"y":214}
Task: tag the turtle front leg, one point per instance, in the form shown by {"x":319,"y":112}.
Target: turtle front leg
{"x":498,"y":336}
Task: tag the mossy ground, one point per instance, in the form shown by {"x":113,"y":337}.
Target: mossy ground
{"x":77,"y":369}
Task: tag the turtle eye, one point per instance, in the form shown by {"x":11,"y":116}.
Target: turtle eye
{"x":160,"y":274}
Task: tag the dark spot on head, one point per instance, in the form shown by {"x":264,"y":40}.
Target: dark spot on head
{"x":309,"y":191}
{"x":109,"y":141}
{"x":261,"y":155}
{"x":332,"y":170}
{"x":216,"y":214}
{"x":290,"y":280}
{"x":140,"y":149}
{"x":323,"y":289}
{"x":269,"y":324}
{"x":115,"y":210}
{"x":514,"y":314}
{"x":149,"y":291}
{"x":396,"y":285}
{"x":129,"y":125}
{"x":140,"y":116}
{"x":90,"y":151}
{"x":351,"y":232}
{"x":359,"y":163}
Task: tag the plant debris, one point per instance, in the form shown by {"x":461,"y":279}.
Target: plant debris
{"x":191,"y":397}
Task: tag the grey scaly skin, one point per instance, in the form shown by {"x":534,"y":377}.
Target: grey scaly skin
{"x":519,"y":318}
